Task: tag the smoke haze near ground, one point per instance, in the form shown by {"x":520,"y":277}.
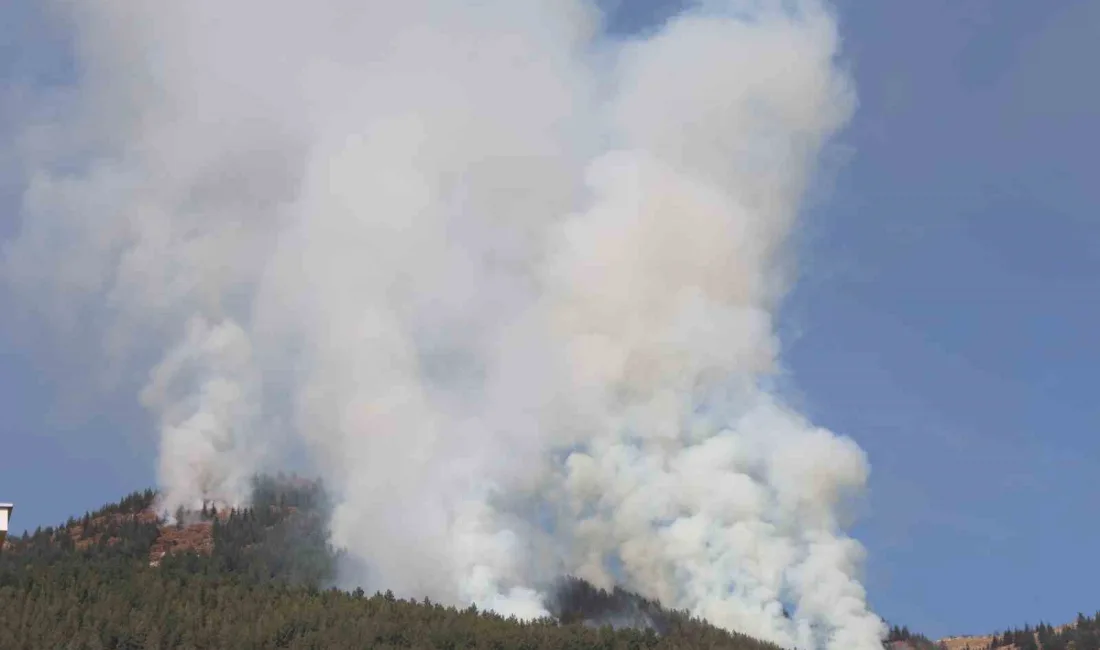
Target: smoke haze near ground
{"x":510,"y":282}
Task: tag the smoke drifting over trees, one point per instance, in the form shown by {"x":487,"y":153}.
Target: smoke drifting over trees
{"x":91,"y":584}
{"x":511,"y":283}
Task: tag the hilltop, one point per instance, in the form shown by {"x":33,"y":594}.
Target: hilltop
{"x":122,"y":577}
{"x":1081,"y":634}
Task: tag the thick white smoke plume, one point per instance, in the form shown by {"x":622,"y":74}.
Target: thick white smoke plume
{"x":510,"y":281}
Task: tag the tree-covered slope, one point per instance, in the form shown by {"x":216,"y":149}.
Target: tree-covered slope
{"x":255,"y":578}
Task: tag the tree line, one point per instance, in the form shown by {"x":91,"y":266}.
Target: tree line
{"x":89,"y":585}
{"x":1082,"y":634}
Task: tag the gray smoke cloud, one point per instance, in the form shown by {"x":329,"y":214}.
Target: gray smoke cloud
{"x":510,"y":282}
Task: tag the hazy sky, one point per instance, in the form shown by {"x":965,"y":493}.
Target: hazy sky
{"x":946,"y":317}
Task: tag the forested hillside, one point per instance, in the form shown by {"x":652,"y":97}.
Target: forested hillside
{"x":1082,"y":634}
{"x":121,"y":577}
{"x":900,"y":637}
{"x":255,"y":578}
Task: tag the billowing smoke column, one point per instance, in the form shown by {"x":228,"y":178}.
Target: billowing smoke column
{"x":510,"y":281}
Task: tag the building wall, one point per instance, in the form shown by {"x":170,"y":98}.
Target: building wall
{"x":4,"y":513}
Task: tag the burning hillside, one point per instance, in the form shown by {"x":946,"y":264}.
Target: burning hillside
{"x":89,"y":584}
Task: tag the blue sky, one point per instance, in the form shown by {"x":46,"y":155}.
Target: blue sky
{"x":947,"y":316}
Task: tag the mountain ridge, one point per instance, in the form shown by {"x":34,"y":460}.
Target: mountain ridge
{"x":126,"y":576}
{"x":277,"y":546}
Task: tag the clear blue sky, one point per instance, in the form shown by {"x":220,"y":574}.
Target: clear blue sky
{"x":948,"y":318}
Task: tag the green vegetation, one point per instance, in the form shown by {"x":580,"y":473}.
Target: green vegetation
{"x":254,"y":579}
{"x":918,"y":641}
{"x":259,"y":577}
{"x":1083,"y":634}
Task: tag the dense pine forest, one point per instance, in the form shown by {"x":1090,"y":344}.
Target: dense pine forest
{"x":121,"y":577}
{"x":256,"y":578}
